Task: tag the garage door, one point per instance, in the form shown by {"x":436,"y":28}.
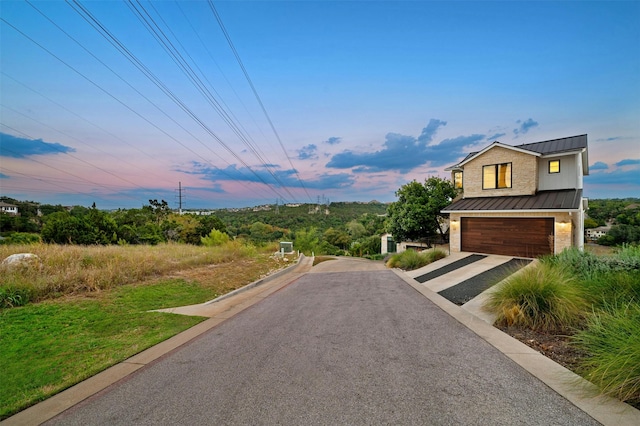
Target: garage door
{"x":524,"y":237}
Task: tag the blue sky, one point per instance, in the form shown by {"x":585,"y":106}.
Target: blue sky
{"x":346,"y":100}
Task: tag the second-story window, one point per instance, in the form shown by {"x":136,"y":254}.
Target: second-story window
{"x":554,"y":166}
{"x":457,"y":180}
{"x":496,"y":176}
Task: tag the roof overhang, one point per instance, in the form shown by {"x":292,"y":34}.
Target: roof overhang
{"x":565,"y":200}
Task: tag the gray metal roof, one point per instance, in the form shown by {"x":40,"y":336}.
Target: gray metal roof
{"x":555,"y":146}
{"x":565,"y":199}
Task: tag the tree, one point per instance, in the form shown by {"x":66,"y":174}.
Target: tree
{"x":337,"y":238}
{"x":416,"y":215}
{"x":307,"y":241}
{"x":356,"y":229}
{"x":590,"y":223}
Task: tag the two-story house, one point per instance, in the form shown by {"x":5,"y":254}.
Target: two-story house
{"x":523,"y":200}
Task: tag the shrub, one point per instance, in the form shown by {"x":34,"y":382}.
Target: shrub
{"x":22,"y":238}
{"x":411,"y":259}
{"x":541,"y":297}
{"x":215,"y":238}
{"x":433,"y":255}
{"x":612,"y":339}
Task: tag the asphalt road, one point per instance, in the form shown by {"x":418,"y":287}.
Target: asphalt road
{"x":357,"y":348}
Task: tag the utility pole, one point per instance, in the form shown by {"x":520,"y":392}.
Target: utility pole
{"x":180,"y":197}
{"x":277,"y":206}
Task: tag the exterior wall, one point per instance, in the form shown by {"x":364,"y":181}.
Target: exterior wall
{"x":9,"y":209}
{"x":404,"y":246}
{"x":565,"y":227}
{"x":383,"y":244}
{"x":524,"y":173}
{"x":568,"y":178}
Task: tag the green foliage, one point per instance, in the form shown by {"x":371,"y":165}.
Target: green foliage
{"x":621,"y":234}
{"x":604,"y":210}
{"x":541,"y":297}
{"x":22,"y":238}
{"x":411,"y":259}
{"x":307,"y":241}
{"x":599,"y":296}
{"x":372,"y":245}
{"x":337,"y":238}
{"x":612,"y":339}
{"x":590,"y":223}
{"x":416,"y":215}
{"x":215,"y":238}
{"x":11,"y":297}
{"x":327,"y":248}
{"x":356,"y":229}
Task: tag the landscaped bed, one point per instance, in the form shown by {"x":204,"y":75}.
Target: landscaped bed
{"x":582,"y":311}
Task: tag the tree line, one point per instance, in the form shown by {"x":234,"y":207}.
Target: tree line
{"x":337,"y":228}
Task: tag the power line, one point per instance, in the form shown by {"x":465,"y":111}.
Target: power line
{"x":101,"y":29}
{"x":255,"y":92}
{"x":110,"y":95}
{"x":168,"y":46}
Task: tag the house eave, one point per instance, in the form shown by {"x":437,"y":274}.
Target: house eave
{"x":512,"y":211}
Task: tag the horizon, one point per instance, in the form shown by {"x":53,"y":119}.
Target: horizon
{"x":249,"y":103}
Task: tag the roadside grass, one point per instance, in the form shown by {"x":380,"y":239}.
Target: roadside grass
{"x":72,"y":269}
{"x":411,"y":259}
{"x":595,"y":300}
{"x":49,"y":346}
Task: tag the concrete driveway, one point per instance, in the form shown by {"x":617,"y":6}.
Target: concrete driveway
{"x":359,"y":347}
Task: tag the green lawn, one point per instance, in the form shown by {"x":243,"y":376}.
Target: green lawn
{"x":50,"y":346}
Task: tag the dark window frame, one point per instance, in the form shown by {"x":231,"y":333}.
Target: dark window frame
{"x":455,"y":179}
{"x":496,"y":171}
{"x":549,"y":167}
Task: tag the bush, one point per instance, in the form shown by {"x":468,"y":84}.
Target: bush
{"x":588,"y":265}
{"x":215,"y":238}
{"x":411,"y":259}
{"x":541,"y":297}
{"x":22,"y":238}
{"x":612,"y":338}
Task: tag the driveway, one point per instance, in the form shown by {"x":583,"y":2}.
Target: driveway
{"x":349,"y":343}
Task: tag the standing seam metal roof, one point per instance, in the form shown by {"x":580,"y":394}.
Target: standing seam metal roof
{"x":564,"y":199}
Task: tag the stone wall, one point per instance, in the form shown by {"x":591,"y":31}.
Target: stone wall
{"x":524,"y":173}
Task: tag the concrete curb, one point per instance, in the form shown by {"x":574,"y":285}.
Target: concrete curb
{"x":580,"y":392}
{"x":258,"y":282}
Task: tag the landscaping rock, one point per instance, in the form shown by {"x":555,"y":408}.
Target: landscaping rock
{"x":22,"y":259}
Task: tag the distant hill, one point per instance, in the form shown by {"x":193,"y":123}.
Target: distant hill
{"x":300,"y":216}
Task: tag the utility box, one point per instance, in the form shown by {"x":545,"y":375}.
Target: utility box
{"x":286,"y":247}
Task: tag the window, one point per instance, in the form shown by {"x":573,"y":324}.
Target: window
{"x":554,"y":166}
{"x":457,"y":180}
{"x":496,"y":176}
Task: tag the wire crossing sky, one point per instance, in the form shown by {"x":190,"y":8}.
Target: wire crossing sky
{"x":256,"y":102}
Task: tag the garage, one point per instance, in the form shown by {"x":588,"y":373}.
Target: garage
{"x":509,"y":236}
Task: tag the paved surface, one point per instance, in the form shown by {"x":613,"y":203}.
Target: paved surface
{"x":334,"y":347}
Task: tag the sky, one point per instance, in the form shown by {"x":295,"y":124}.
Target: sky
{"x":218,"y":104}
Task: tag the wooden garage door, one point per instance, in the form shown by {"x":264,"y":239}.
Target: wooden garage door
{"x":510,"y":236}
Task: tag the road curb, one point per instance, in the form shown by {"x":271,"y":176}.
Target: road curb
{"x":575,"y":389}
